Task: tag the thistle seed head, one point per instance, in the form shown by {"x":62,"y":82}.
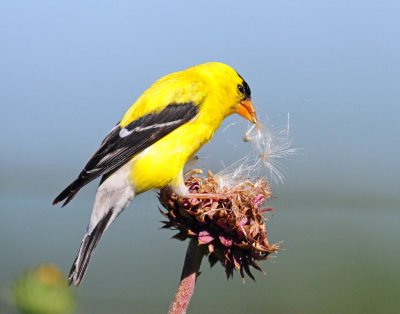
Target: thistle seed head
{"x":232,"y":224}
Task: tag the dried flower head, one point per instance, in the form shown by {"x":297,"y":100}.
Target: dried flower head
{"x":228,"y":220}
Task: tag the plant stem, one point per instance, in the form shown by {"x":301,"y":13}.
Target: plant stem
{"x":190,"y":272}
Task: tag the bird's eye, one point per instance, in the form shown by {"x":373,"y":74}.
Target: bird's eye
{"x":241,"y":88}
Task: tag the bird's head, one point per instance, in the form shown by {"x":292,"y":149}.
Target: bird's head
{"x":245,"y":106}
{"x":229,"y":91}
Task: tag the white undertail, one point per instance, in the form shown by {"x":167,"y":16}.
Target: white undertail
{"x":113,"y":196}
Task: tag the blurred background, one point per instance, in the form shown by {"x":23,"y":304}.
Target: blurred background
{"x":69,"y":70}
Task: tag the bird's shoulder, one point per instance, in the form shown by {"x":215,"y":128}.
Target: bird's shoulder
{"x":169,"y":90}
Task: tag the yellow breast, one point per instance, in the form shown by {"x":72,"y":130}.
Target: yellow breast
{"x":161,"y":163}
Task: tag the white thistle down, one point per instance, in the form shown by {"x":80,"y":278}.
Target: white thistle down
{"x":269,"y":148}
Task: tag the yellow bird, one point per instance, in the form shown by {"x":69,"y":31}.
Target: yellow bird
{"x":153,"y":141}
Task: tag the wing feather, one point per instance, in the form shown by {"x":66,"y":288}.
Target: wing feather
{"x":121,"y":144}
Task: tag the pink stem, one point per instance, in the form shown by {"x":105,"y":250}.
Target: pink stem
{"x":190,"y":272}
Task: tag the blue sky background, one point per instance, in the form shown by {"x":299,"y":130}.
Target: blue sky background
{"x":69,"y":71}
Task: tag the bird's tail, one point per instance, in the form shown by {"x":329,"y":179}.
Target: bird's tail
{"x":88,"y":245}
{"x":113,"y":196}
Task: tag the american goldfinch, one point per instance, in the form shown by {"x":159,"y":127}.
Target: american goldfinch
{"x":149,"y":147}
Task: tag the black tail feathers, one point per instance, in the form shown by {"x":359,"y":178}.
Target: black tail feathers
{"x":86,"y":250}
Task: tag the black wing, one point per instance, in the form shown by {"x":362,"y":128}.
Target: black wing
{"x":121,"y":144}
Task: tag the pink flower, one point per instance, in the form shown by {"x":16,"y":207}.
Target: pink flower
{"x":205,"y":237}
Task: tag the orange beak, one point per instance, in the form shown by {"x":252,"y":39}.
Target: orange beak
{"x":246,"y":110}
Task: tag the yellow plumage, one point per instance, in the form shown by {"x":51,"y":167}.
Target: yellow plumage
{"x":214,"y":87}
{"x":153,"y":141}
{"x":209,"y":85}
{"x":162,"y":163}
